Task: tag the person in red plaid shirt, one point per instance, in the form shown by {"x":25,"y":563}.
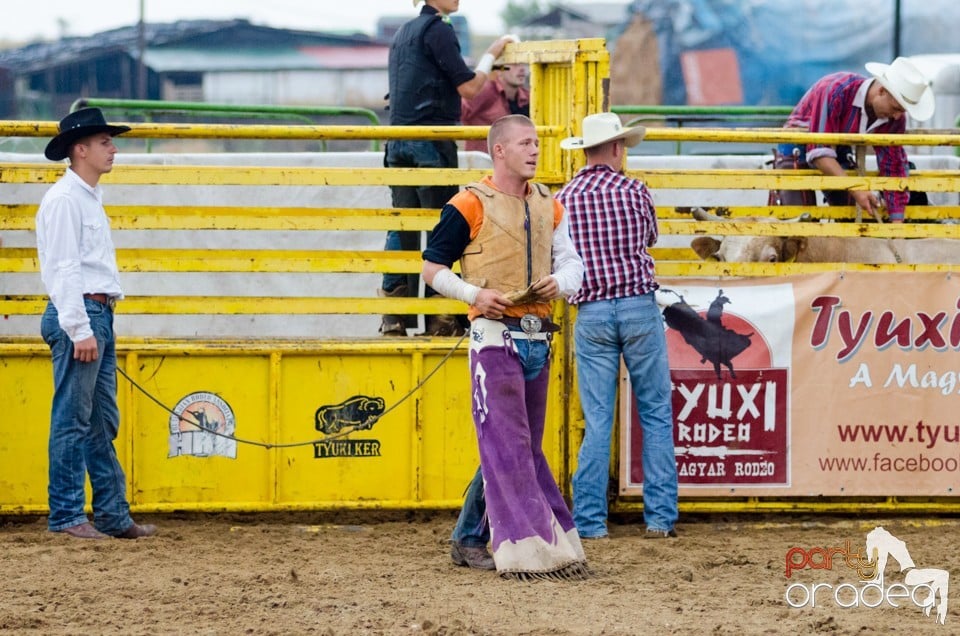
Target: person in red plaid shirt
{"x":612,"y":223}
{"x":852,"y":103}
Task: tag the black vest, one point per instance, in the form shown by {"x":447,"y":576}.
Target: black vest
{"x":419,"y":92}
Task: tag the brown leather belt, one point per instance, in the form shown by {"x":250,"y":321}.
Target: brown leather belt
{"x":546,"y":325}
{"x":103,"y":299}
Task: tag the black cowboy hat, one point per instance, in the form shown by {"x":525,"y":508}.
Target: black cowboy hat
{"x":77,"y":125}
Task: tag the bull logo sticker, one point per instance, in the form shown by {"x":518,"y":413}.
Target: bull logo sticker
{"x":202,"y":424}
{"x":729,"y":387}
{"x":357,"y":413}
{"x":730,"y":382}
{"x":708,"y":336}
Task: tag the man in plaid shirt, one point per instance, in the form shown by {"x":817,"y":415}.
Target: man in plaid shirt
{"x":851,"y":103}
{"x":612,"y":223}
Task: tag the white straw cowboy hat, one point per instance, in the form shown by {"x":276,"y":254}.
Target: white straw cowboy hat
{"x":601,"y":128}
{"x":908,"y":86}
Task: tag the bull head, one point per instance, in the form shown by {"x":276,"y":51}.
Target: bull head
{"x":748,"y":249}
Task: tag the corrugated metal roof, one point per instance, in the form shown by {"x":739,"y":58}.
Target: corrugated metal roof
{"x":349,"y":57}
{"x":208,"y":35}
{"x":193,"y":60}
{"x":601,"y":13}
{"x":606,"y":13}
{"x":259,"y":59}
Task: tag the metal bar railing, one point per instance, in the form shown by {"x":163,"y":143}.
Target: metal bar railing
{"x":16,"y":128}
{"x":23,"y":128}
{"x":681,"y":115}
{"x":659,"y":109}
{"x":304,"y":114}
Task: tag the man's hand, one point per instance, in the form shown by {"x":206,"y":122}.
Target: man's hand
{"x":501,"y":43}
{"x":546,"y":288}
{"x":491,"y":303}
{"x":470,"y":88}
{"x":85,"y":350}
{"x":867,"y":201}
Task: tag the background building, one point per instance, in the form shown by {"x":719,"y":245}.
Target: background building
{"x":229,"y":61}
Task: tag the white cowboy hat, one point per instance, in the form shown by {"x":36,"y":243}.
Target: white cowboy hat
{"x":601,"y":128}
{"x":908,"y":86}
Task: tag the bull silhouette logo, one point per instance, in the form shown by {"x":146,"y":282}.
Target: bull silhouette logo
{"x":714,"y":342}
{"x":360,"y":411}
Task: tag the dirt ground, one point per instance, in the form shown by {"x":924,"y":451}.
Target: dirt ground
{"x":390,"y":574}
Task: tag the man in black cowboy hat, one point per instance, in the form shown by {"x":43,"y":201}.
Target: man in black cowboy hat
{"x":78,"y":266}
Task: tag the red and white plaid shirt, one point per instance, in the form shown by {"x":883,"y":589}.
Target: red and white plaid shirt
{"x":612,"y":223}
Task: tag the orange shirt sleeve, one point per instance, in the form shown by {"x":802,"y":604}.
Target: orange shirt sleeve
{"x":471,"y":209}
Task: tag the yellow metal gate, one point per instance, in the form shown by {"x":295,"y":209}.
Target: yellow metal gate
{"x":237,"y":332}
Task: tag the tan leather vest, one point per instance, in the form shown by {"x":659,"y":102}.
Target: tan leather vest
{"x":505,"y":255}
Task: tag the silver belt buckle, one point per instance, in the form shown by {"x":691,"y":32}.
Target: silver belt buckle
{"x":530,"y":324}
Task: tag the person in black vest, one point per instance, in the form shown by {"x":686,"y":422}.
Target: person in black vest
{"x":427,"y":76}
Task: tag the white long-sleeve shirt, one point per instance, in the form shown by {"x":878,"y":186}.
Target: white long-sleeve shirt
{"x":76,"y":251}
{"x":568,"y":267}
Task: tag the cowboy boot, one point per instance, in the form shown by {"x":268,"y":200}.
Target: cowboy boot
{"x":392,"y":324}
{"x":443,"y":325}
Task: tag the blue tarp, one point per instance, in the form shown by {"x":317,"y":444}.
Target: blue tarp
{"x":784,"y":46}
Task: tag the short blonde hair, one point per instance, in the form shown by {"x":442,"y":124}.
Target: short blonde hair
{"x":500,"y":128}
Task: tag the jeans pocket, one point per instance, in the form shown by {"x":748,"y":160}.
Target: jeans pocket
{"x":426,"y":155}
{"x":49,"y":329}
{"x":56,"y":339}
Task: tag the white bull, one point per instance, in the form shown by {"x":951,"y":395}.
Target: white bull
{"x":821,"y":249}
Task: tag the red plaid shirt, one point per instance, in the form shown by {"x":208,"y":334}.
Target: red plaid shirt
{"x":837,"y":104}
{"x":612,"y":223}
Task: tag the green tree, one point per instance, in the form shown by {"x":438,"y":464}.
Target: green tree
{"x":518,"y":11}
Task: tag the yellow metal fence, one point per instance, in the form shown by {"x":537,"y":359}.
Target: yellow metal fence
{"x":421,"y":453}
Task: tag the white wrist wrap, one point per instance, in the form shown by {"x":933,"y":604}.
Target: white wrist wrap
{"x":485,"y":65}
{"x":452,"y":286}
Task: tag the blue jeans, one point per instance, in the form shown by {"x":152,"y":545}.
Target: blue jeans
{"x":84,"y":421}
{"x":472,"y":529}
{"x":604,"y":330}
{"x":404,"y":153}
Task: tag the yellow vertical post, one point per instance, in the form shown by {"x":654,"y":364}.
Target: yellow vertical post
{"x":416,"y":441}
{"x":568,"y":80}
{"x":130,"y":416}
{"x":581,"y":87}
{"x":275,"y":382}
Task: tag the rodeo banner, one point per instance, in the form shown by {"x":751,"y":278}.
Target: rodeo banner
{"x":828,"y":384}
